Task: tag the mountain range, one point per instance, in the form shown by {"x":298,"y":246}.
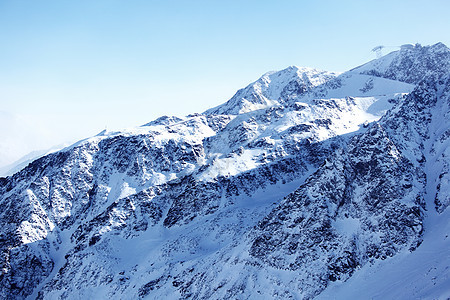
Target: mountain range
{"x":305,"y":184}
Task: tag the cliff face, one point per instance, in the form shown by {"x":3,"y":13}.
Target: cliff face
{"x":293,"y":184}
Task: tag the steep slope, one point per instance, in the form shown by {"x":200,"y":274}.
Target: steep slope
{"x":424,"y":273}
{"x":364,"y":205}
{"x":193,"y":207}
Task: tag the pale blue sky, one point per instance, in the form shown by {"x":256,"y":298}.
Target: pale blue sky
{"x":70,"y":68}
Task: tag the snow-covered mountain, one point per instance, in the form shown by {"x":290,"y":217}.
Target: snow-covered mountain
{"x":412,"y":63}
{"x":305,"y":183}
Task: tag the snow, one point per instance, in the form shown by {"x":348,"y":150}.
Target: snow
{"x":126,"y":191}
{"x":353,"y":83}
{"x":377,"y":64}
{"x":421,"y":274}
{"x":214,"y":235}
{"x":266,"y":91}
{"x":347,"y":226}
{"x":425,"y":272}
{"x":231,"y":166}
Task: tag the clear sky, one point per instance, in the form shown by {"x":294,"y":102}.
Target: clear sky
{"x":68,"y":69}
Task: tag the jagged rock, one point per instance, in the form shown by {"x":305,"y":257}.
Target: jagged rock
{"x":291,"y":185}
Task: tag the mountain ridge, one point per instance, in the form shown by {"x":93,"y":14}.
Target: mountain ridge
{"x":300,"y":168}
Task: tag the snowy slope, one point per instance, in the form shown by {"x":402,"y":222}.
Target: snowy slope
{"x":304,"y":182}
{"x":357,"y":218}
{"x":424,"y":273}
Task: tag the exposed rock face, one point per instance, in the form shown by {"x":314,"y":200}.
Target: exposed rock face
{"x":292,"y":184}
{"x":410,"y":64}
{"x":364,"y":203}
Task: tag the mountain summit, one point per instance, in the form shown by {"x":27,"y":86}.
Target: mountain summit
{"x":411,"y":64}
{"x":304,"y":184}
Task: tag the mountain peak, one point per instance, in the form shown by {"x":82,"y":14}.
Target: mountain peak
{"x":410,"y":64}
{"x":273,"y":88}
